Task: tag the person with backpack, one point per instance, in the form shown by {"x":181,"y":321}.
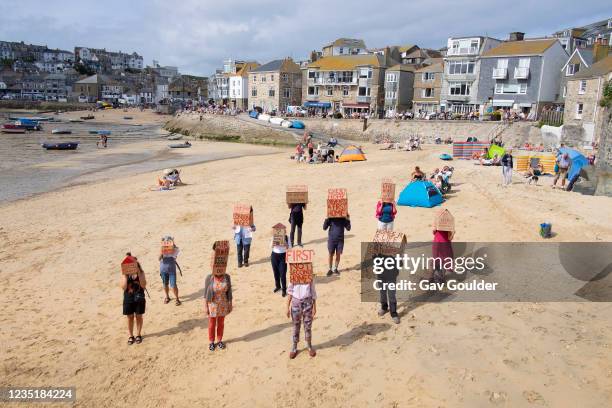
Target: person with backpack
{"x":134,"y":302}
{"x":335,"y":240}
{"x":167,"y":271}
{"x":218,"y":304}
{"x":507,"y":164}
{"x":296,"y":219}
{"x":385,"y":213}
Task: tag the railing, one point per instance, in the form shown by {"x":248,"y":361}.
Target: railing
{"x":500,"y":73}
{"x":551,"y":118}
{"x":463,"y":51}
{"x":521,"y":72}
{"x":330,"y":81}
{"x":365,"y":99}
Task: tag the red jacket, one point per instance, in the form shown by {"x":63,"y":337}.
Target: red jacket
{"x":379,"y":207}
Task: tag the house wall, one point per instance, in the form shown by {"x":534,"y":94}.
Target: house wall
{"x":591,"y":109}
{"x":404,"y":91}
{"x":486,"y":83}
{"x":554,"y":59}
{"x":274,"y":80}
{"x":422,"y":103}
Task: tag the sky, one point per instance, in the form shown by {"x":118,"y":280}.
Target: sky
{"x":197,"y":35}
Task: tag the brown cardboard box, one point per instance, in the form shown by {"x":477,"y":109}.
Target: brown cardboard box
{"x":243,"y":215}
{"x":129,"y":266}
{"x":220,"y":254}
{"x":279,"y":232}
{"x":387,"y":193}
{"x":300,"y":265}
{"x":387,"y":243}
{"x":167,"y":248}
{"x":297,"y":194}
{"x":337,"y":203}
{"x":444,"y":221}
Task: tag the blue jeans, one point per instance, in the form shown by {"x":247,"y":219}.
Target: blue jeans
{"x":168,"y":279}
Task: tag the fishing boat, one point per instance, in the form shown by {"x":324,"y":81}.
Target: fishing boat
{"x":12,"y":130}
{"x":175,"y":137}
{"x":28,"y":124}
{"x":61,"y":131}
{"x":179,"y":145}
{"x":61,"y":146}
{"x":88,"y":117}
{"x":128,"y":118}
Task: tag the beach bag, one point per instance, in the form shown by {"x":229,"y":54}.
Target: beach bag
{"x":545,"y":230}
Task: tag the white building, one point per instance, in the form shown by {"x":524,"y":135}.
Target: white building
{"x":239,"y":86}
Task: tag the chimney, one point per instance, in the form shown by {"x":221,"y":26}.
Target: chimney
{"x":313,"y":56}
{"x":516,"y":36}
{"x":600,"y":49}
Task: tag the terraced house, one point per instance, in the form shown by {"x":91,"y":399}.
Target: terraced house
{"x":275,"y":85}
{"x":427,"y":88}
{"x":347,"y":84}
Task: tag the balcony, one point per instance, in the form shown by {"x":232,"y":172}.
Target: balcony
{"x":500,"y":73}
{"x":521,"y":72}
{"x":363,"y":99}
{"x":463,"y":51}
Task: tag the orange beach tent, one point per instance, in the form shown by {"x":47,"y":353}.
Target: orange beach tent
{"x":351,"y":153}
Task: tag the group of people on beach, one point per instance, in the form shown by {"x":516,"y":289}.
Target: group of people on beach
{"x":307,"y":152}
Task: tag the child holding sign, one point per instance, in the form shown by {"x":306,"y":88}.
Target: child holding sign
{"x":167,"y":268}
{"x":302,"y":308}
{"x":133,"y":283}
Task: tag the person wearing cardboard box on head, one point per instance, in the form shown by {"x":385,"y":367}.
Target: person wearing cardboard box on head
{"x":335,"y":240}
{"x":279,"y":244}
{"x":133,"y":283}
{"x":218,"y":303}
{"x":167,"y":268}
{"x":243,"y":236}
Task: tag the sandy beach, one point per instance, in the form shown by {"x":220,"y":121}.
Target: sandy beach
{"x":62,"y":322}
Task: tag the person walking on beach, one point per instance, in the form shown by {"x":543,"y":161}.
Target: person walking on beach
{"x":279,"y":265}
{"x":134,"y":302}
{"x":385,"y":213}
{"x":441,"y":250}
{"x":335,"y":240}
{"x":296,"y":219}
{"x":167,"y":271}
{"x":243,"y":236}
{"x":388,"y":301}
{"x":218,"y":304}
{"x":302,"y":308}
{"x":507,"y":164}
{"x":563,"y":164}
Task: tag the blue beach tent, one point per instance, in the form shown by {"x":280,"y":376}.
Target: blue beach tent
{"x":577,"y":159}
{"x":420,"y":193}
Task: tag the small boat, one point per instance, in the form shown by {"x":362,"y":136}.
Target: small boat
{"x":11,"y":126}
{"x":179,"y":145}
{"x":276,"y":121}
{"x":297,"y":124}
{"x":128,"y":117}
{"x":75,"y":120}
{"x":61,"y":131}
{"x":254,"y":114}
{"x":264,"y":117}
{"x":286,"y":123}
{"x":175,"y":137}
{"x":88,"y":117}
{"x":446,"y":156}
{"x":12,"y":130}
{"x":61,"y":146}
{"x":28,"y":124}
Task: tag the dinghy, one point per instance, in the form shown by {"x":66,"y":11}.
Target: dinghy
{"x":61,"y":146}
{"x":179,"y":145}
{"x":276,"y":121}
{"x":286,"y":123}
{"x":61,"y":131}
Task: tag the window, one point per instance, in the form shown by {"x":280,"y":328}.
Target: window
{"x":572,"y":69}
{"x":579,"y":108}
{"x":459,"y":88}
{"x":263,"y":78}
{"x":363,"y":91}
{"x":391,"y":77}
{"x":460,"y":67}
{"x":501,"y":88}
{"x":271,"y":92}
{"x":365,"y":73}
{"x":272,"y":77}
{"x":390,"y":95}
{"x":285,"y":77}
{"x":502,"y":63}
{"x":429,"y":76}
{"x":254,"y":92}
{"x":254,"y":78}
{"x":313,"y":91}
{"x":287,"y":92}
{"x":341,"y":50}
{"x":330,"y":91}
{"x":345,"y":76}
{"x":582,"y":88}
{"x":428,"y":93}
{"x":312,"y":74}
{"x":345,"y":91}
{"x":524,"y":62}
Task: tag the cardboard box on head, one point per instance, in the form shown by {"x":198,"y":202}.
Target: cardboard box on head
{"x":279,"y":232}
{"x":300,"y":265}
{"x":219,"y":257}
{"x":167,"y":247}
{"x":444,"y":221}
{"x":243,"y":214}
{"x":388,"y":243}
{"x":337,"y":203}
{"x":297,"y":194}
{"x":387,"y":193}
{"x":129,"y":266}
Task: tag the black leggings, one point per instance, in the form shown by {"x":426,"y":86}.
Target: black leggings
{"x":296,"y":222}
{"x":279,"y":266}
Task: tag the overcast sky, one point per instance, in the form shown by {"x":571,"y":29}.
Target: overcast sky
{"x":196,"y":35}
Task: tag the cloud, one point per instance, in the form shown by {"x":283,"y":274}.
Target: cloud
{"x":196,"y":35}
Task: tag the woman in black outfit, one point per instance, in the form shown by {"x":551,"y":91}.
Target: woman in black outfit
{"x":134,"y":302}
{"x":296,"y":219}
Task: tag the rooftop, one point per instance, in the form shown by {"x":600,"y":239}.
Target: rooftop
{"x":598,"y":69}
{"x":525,"y":47}
{"x":347,"y":62}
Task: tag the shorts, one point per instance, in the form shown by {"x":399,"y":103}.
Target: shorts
{"x":562,"y":171}
{"x":336,"y":246}
{"x":168,"y":279}
{"x":130,"y":308}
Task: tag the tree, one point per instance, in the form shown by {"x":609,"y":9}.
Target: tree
{"x":606,"y":97}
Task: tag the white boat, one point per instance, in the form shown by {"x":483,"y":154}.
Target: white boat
{"x":276,"y":120}
{"x":264,"y":117}
{"x":286,"y":123}
{"x":175,"y":137}
{"x":61,"y":131}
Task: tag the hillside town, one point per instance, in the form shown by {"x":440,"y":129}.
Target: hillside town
{"x":553,"y":79}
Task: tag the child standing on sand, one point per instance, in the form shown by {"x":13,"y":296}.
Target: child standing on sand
{"x":335,"y":240}
{"x":218,"y":304}
{"x":302,"y":307}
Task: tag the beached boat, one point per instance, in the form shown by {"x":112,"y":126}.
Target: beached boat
{"x":276,"y":121}
{"x":286,"y":123}
{"x":12,"y":130}
{"x":175,"y":137}
{"x":128,"y":117}
{"x":88,"y":117}
{"x":75,"y":120}
{"x":61,"y":146}
{"x":61,"y":131}
{"x":28,"y":124}
{"x":297,"y":124}
{"x":179,"y":145}
{"x":93,"y":132}
{"x":254,"y":114}
{"x":264,"y":117}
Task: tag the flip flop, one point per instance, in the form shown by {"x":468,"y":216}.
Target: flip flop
{"x":166,"y":301}
{"x":138,"y":339}
{"x":131,"y":340}
{"x":178,"y":302}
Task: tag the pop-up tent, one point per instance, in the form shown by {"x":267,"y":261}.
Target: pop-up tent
{"x":495,"y":150}
{"x":577,"y":159}
{"x":351,"y":153}
{"x":420,"y":194}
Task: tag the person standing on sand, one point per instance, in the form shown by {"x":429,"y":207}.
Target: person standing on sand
{"x":218,"y":304}
{"x":167,"y":271}
{"x":134,"y":302}
{"x":302,"y":308}
{"x":335,"y":240}
{"x":243,"y":236}
{"x":279,"y":265}
{"x":385,"y":213}
{"x":296,"y":219}
{"x":563,"y":164}
{"x":507,"y":164}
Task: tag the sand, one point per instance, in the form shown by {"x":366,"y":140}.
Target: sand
{"x":62,"y":322}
